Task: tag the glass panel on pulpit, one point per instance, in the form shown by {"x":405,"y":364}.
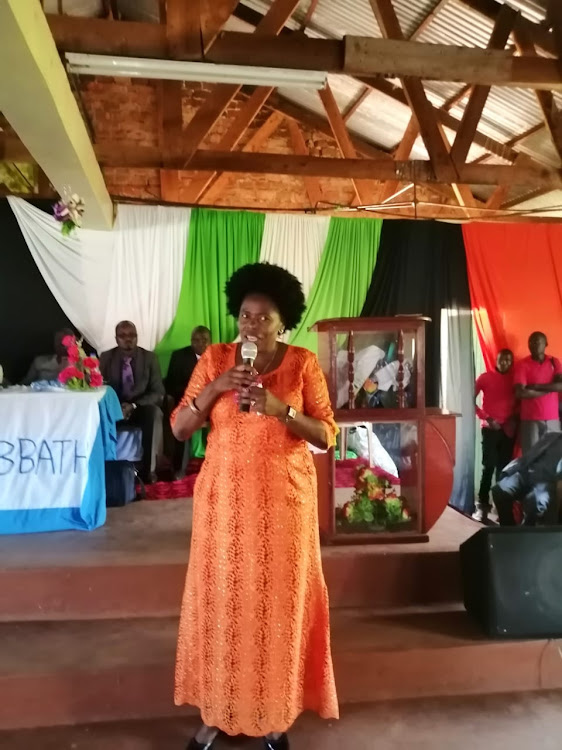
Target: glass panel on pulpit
{"x":378,"y":378}
{"x":377,"y":484}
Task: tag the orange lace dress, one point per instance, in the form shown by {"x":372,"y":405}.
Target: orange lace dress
{"x":254,"y":638}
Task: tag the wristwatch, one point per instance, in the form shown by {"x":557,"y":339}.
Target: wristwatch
{"x":291,"y":414}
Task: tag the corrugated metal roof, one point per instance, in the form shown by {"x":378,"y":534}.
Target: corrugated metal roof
{"x":549,"y":204}
{"x":457,"y":24}
{"x":540,"y":147}
{"x":86,"y":8}
{"x":380,"y":119}
{"x":534,"y":10}
{"x":332,"y":18}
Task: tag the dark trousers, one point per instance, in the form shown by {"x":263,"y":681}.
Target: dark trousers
{"x":149,"y":419}
{"x":497,"y":452}
{"x":539,"y":500}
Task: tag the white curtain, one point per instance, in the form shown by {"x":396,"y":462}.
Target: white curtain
{"x":457,"y":395}
{"x":146,"y":272}
{"x":76,"y":269}
{"x":132,"y":272}
{"x":295,"y":243}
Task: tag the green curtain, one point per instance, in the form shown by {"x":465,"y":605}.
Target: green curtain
{"x":343,"y":276}
{"x":218,"y":243}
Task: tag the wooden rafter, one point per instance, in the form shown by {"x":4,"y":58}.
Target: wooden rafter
{"x":554,"y":19}
{"x":230,"y":140}
{"x":363,"y":190}
{"x":222,"y":94}
{"x":123,"y":155}
{"x":422,"y":26}
{"x":366,"y":56}
{"x":162,"y":11}
{"x":461,"y":94}
{"x":256,"y":142}
{"x":552,"y":116}
{"x":417,"y":98}
{"x":312,"y":184}
{"x":402,"y":153}
{"x":356,"y":56}
{"x":462,"y":192}
{"x":98,"y":36}
{"x":356,"y":103}
{"x":170,"y":127}
{"x":214,"y":14}
{"x":192,"y":27}
{"x":447,"y":120}
{"x":306,"y":117}
{"x":183,"y":29}
{"x":309,"y":13}
{"x":498,"y":197}
{"x":479,"y":95}
{"x":539,"y":34}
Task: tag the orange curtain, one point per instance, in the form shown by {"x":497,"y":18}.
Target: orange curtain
{"x":515,"y":280}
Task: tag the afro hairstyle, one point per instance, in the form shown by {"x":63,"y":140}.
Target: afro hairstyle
{"x":282,"y":288}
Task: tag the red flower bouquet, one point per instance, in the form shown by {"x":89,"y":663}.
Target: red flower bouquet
{"x":82,"y":372}
{"x":375,"y":506}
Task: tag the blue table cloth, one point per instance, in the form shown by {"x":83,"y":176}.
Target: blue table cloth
{"x":53,"y":448}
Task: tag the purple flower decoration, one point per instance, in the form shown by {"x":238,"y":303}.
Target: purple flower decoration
{"x":69,"y":213}
{"x":60,"y":210}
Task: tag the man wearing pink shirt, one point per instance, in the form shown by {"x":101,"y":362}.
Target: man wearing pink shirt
{"x":498,"y":425}
{"x":538,"y":383}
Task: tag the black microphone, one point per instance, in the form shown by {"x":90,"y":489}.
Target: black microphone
{"x":249,"y":353}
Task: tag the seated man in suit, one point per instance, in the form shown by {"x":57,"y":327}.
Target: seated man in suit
{"x":134,"y":374}
{"x":48,"y":366}
{"x":181,"y":368}
{"x":183,"y":363}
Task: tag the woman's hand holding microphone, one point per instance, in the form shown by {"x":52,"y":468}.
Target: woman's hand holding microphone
{"x":242,"y":379}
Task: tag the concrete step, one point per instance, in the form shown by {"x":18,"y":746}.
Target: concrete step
{"x":499,"y":722}
{"x":135,"y":567}
{"x":66,"y":673}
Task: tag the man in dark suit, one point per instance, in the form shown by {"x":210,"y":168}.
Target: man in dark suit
{"x":183,"y":363}
{"x":134,"y":374}
{"x":181,"y":368}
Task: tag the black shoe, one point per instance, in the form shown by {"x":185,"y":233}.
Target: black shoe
{"x":281,"y":744}
{"x":194,"y":745}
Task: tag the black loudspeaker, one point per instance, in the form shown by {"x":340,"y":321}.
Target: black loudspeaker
{"x":512,"y":581}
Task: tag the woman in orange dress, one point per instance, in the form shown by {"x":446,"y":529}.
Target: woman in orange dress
{"x":254,"y":639}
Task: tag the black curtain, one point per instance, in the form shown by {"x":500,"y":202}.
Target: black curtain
{"x":29,"y":314}
{"x":421,"y":269}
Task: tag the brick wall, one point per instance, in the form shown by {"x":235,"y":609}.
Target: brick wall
{"x":127,"y":110}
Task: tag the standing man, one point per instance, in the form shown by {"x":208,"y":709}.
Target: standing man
{"x":181,"y":368}
{"x":538,"y":382}
{"x":498,"y":425}
{"x":134,"y":374}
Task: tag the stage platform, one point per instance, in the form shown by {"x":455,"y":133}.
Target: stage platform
{"x":135,"y":566}
{"x":89,"y":622}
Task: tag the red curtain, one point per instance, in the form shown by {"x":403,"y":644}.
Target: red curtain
{"x":515,"y":280}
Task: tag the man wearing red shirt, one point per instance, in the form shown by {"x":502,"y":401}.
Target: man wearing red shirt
{"x":538,"y":383}
{"x":498,"y":425}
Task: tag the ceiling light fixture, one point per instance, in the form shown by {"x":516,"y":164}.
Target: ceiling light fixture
{"x":177,"y":70}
